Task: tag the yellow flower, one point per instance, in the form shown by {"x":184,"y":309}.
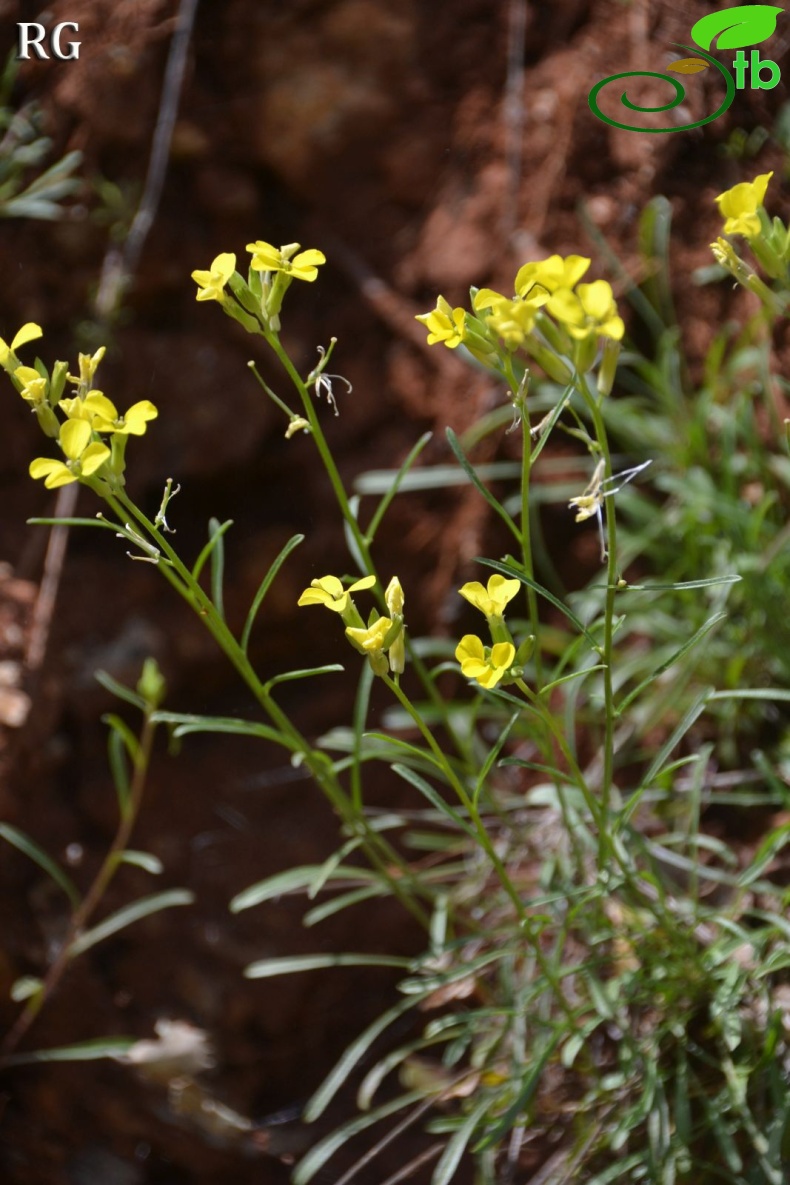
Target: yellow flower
{"x":551,"y":274}
{"x":486,"y":666}
{"x":330,"y":592}
{"x":739,"y":206}
{"x":395,"y":601}
{"x":492,"y":600}
{"x":444,"y":324}
{"x":34,"y":387}
{"x":372,"y":642}
{"x":27,"y":333}
{"x":303,"y":266}
{"x":591,"y":310}
{"x":513,"y":319}
{"x":88,"y":365}
{"x":102,"y":415}
{"x":82,"y":457}
{"x":211,"y":284}
{"x":394,"y":597}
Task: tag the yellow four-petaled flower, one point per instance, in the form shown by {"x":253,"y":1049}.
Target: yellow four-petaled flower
{"x":211,"y":283}
{"x":83,"y":458}
{"x":740,"y":204}
{"x":486,"y":665}
{"x":491,"y":600}
{"x":329,"y":591}
{"x":302,"y":266}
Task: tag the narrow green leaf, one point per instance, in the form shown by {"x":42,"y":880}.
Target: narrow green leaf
{"x":23,"y":843}
{"x":264,"y":587}
{"x":290,"y":676}
{"x":353,"y":1054}
{"x":328,"y":909}
{"x":289,"y":965}
{"x":296,"y":880}
{"x":71,"y":522}
{"x":129,"y":914}
{"x":477,"y":483}
{"x":395,"y":485}
{"x":433,"y":796}
{"x":118,"y":689}
{"x":708,"y":582}
{"x":691,"y":715}
{"x":145,"y":860}
{"x":673,"y":658}
{"x":507,"y":1121}
{"x":116,"y":755}
{"x":215,"y":531}
{"x":320,"y":1153}
{"x":186,"y":724}
{"x":130,"y":740}
{"x":84,"y":1051}
{"x":456,"y":1145}
{"x":493,"y":753}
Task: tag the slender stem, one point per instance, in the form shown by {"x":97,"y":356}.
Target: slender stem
{"x":381,"y":854}
{"x":360,"y":540}
{"x":526,"y":544}
{"x":85,"y":910}
{"x":606,"y":649}
{"x":486,"y":843}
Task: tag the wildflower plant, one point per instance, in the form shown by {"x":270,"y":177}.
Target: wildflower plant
{"x":581,"y":980}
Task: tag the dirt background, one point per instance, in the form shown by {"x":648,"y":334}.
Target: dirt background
{"x":423,"y":152}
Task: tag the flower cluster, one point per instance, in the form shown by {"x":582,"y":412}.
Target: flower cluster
{"x":769,"y":240}
{"x":257,"y":302}
{"x":382,"y":639}
{"x":553,"y":317}
{"x":89,"y":417}
{"x":488,"y":665}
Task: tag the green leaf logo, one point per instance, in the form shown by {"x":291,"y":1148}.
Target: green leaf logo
{"x":748,"y":24}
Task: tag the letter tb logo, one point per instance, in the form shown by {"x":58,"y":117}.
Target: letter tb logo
{"x":731,"y":28}
{"x":30,"y":35}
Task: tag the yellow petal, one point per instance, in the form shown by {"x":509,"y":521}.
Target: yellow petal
{"x":74,"y":437}
{"x":93,"y":458}
{"x":55,"y":472}
{"x":27,"y":333}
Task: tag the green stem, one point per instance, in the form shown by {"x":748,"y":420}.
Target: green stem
{"x":360,"y":540}
{"x":606,"y":649}
{"x":527,"y":924}
{"x":381,"y":854}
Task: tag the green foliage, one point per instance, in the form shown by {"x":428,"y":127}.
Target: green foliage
{"x":603,"y":969}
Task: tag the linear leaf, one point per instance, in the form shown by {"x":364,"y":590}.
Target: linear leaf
{"x":216,"y":531}
{"x":673,"y":658}
{"x":477,"y":483}
{"x":24,"y":844}
{"x":186,"y":724}
{"x":395,"y":485}
{"x":118,"y":689}
{"x":433,"y":796}
{"x":264,"y":587}
{"x":296,"y":880}
{"x":129,"y":914}
{"x":354,"y":1053}
{"x":288,"y":965}
{"x":83,"y":1051}
{"x":290,"y":676}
